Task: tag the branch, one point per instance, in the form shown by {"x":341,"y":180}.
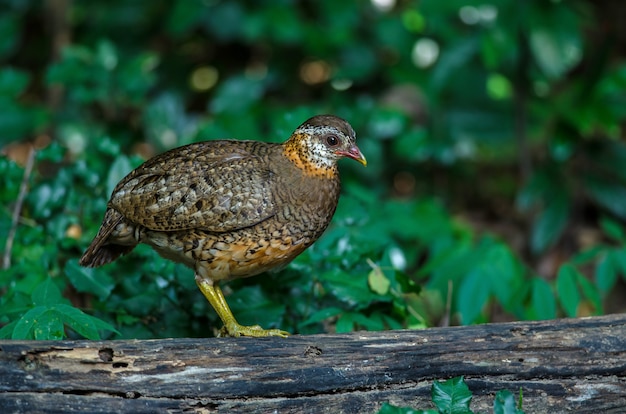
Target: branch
{"x":17,"y":209}
{"x":565,"y":365}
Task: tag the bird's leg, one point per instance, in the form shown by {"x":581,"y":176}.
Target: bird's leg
{"x":214,"y":295}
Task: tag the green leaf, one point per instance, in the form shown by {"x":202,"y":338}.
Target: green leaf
{"x":505,"y":403}
{"x":387,"y":123}
{"x":454,"y":57}
{"x":391,"y":323}
{"x":322,"y":314}
{"x":252,"y":306}
{"x":46,"y":294}
{"x":567,"y":289}
{"x":619,"y":258}
{"x":543,"y":304}
{"x":378,"y":282}
{"x":6,"y":331}
{"x":13,"y":82}
{"x":591,"y":292}
{"x":345,"y":323}
{"x":612,"y":229}
{"x":392,"y":409}
{"x":546,"y":190}
{"x":88,"y":280}
{"x":549,"y":225}
{"x":25,"y":325}
{"x":51,"y":197}
{"x":119,"y":169}
{"x":46,"y":323}
{"x":607,"y":194}
{"x":106,"y":55}
{"x":49,"y":326}
{"x":83,"y":324}
{"x":166,"y":123}
{"x":452,"y":396}
{"x":606,"y":272}
{"x":555,"y":39}
{"x":11,"y":22}
{"x":452,"y":263}
{"x":473,"y":294}
{"x":184,"y":16}
{"x":226,"y":20}
{"x":499,"y":87}
{"x":501,"y":267}
{"x":350,"y":288}
{"x":237,"y":95}
{"x":587,"y":256}
{"x":373,"y":322}
{"x":549,"y":50}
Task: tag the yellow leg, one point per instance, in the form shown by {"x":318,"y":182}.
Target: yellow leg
{"x":214,"y":295}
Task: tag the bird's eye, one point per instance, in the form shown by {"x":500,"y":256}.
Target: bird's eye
{"x":332,"y":140}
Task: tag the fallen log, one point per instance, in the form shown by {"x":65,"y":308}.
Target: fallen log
{"x":565,"y":365}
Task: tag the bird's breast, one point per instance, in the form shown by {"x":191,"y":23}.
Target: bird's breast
{"x":243,"y":253}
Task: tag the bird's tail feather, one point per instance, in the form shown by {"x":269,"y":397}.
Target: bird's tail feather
{"x":101,"y":255}
{"x":102,"y":250}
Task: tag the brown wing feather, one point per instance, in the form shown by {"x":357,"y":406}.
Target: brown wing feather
{"x":215,"y":186}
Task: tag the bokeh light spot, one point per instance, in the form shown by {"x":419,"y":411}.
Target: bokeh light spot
{"x":499,"y":87}
{"x":315,"y":72}
{"x":413,"y":21}
{"x":204,"y":78}
{"x":425,"y":52}
{"x":341,"y":84}
{"x":383,"y":5}
{"x":469,"y":15}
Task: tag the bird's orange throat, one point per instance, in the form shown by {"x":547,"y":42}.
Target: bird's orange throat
{"x":294,"y":150}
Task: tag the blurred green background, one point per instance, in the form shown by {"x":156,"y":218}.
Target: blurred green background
{"x":496,"y":181}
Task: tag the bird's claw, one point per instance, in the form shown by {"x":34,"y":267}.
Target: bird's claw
{"x":235,"y":330}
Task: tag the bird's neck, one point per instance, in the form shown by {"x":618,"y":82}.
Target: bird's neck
{"x":297,"y":153}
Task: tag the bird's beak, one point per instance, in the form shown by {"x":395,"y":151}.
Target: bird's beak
{"x":355,"y":153}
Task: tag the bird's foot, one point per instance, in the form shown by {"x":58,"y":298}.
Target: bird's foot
{"x":215,"y":296}
{"x":235,"y":330}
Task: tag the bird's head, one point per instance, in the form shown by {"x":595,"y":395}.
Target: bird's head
{"x":317,"y":145}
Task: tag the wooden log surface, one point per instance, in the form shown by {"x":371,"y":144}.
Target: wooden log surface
{"x":566,"y":365}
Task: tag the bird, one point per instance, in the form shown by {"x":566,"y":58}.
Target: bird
{"x":230,"y":209}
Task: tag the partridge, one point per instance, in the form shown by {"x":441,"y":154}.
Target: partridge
{"x":230,"y":209}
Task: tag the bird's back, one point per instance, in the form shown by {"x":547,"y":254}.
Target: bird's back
{"x":214,"y":186}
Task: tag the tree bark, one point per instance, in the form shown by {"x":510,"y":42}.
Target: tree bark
{"x":562,"y":365}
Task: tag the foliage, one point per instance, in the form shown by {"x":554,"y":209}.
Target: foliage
{"x":453,"y":397}
{"x":46,"y":316}
{"x":522,"y":99}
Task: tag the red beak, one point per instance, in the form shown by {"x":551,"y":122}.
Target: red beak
{"x":355,"y":153}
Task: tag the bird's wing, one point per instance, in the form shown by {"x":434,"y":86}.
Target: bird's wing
{"x":214,"y":186}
